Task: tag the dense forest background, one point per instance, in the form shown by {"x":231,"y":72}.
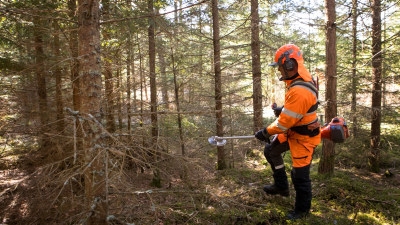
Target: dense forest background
{"x":106,"y":108}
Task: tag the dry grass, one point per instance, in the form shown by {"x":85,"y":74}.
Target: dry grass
{"x":190,"y":190}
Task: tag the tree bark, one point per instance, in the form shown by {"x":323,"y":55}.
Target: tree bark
{"x":119,"y":97}
{"x":129,"y":67}
{"x":178,"y":109}
{"x":377,"y":86}
{"x":41,"y":83}
{"x":176,"y":85}
{"x":327,"y":162}
{"x":58,"y":76}
{"x":152,"y":70}
{"x":163,"y":72}
{"x":73,"y":44}
{"x":90,"y":73}
{"x":354,"y":78}
{"x":75,"y":79}
{"x":109,"y":94}
{"x":108,"y":73}
{"x":156,"y":181}
{"x":218,"y":83}
{"x":256,"y":67}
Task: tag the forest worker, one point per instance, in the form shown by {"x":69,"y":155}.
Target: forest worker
{"x":296,"y":128}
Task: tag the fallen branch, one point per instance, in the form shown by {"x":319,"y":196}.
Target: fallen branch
{"x":379,"y":201}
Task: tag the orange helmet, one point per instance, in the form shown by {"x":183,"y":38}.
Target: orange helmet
{"x":291,"y":51}
{"x":288,"y":51}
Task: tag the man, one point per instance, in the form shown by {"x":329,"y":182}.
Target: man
{"x":296,"y":128}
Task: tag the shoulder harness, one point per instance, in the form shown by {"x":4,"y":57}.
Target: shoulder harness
{"x":312,"y":87}
{"x":308,"y":129}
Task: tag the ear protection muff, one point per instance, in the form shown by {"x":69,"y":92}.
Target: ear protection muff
{"x":288,"y":64}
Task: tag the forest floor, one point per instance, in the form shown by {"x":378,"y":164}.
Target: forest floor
{"x":192,"y":192}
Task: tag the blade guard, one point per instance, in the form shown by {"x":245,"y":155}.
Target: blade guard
{"x":214,"y":140}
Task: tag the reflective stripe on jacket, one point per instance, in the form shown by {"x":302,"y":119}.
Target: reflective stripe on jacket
{"x":298,"y":110}
{"x":299,"y":99}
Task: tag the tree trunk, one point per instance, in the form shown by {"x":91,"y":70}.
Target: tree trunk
{"x":90,"y":73}
{"x":118,"y":93}
{"x":377,"y":86}
{"x":175,"y":74}
{"x":75,"y":79}
{"x":156,"y":181}
{"x":128,"y":82}
{"x":142,"y":84}
{"x":109,"y":94}
{"x":41,"y":83}
{"x":256,"y":67}
{"x":163,"y":72}
{"x":108,"y":73}
{"x":327,"y":161}
{"x":178,"y":109}
{"x":354,"y":78}
{"x":73,"y":44}
{"x":58,"y":75}
{"x":152,"y":70}
{"x":218,"y":83}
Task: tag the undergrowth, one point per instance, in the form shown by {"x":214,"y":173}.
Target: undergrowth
{"x":192,"y":191}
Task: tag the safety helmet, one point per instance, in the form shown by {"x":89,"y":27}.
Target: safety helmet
{"x":286,"y":52}
{"x":291,"y":51}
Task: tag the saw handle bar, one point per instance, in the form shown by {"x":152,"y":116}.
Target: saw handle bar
{"x":221,"y":141}
{"x":234,"y":137}
{"x":240,"y":137}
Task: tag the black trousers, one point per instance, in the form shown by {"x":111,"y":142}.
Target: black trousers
{"x":302,"y":184}
{"x":273,"y":153}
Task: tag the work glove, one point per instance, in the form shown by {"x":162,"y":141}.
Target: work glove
{"x":277,"y":110}
{"x":262,"y":135}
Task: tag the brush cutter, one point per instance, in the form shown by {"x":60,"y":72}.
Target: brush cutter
{"x":221,"y":141}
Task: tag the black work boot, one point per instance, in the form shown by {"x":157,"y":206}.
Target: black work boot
{"x":280,"y":186}
{"x":294,"y":215}
{"x":274,"y":190}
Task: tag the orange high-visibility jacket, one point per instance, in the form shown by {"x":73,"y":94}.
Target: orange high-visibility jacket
{"x":298,"y":100}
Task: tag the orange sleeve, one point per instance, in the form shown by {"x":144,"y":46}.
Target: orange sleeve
{"x":297,"y":102}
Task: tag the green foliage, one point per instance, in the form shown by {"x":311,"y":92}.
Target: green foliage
{"x":359,"y":196}
{"x":156,"y":181}
{"x":350,"y":196}
{"x":354,"y":152}
{"x":161,"y":3}
{"x":7,"y":64}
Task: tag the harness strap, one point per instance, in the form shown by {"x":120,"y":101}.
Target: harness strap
{"x":310,"y":85}
{"x":307,"y":129}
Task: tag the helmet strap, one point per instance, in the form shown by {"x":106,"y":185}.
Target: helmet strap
{"x":286,"y":77}
{"x":293,"y":77}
